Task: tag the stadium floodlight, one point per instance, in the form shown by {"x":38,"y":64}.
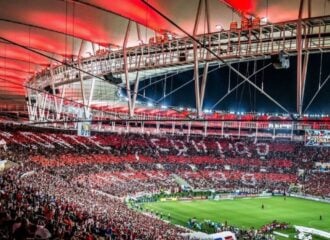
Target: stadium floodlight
{"x":150,"y":104}
{"x":163,"y":107}
{"x":218,"y":27}
{"x":264,"y":20}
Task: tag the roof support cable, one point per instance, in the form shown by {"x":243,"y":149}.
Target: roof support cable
{"x":229,"y":79}
{"x":215,"y":55}
{"x":320,"y":74}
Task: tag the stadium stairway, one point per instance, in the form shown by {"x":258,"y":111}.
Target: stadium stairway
{"x":183,"y":183}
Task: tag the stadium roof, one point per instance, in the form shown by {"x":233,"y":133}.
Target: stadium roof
{"x":57,"y":28}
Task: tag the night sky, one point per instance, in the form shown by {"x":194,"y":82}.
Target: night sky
{"x":280,"y":84}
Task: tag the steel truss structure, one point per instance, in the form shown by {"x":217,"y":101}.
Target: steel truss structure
{"x":299,"y":37}
{"x":231,"y":45}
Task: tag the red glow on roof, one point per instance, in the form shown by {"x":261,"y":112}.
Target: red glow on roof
{"x":243,"y":5}
{"x":16,"y":65}
{"x":286,"y":15}
{"x":12,"y":90}
{"x":13,"y":73}
{"x":14,"y":52}
{"x":137,"y":11}
{"x":39,"y":42}
{"x":70,"y":26}
{"x":11,"y":78}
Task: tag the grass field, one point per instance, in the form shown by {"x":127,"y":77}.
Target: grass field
{"x":246,"y":213}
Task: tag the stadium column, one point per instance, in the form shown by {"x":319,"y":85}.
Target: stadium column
{"x":82,"y":90}
{"x":53,"y":88}
{"x":307,"y":30}
{"x":136,"y":89}
{"x":28,"y":104}
{"x":35,"y":107}
{"x":58,"y":116}
{"x":131,"y":97}
{"x":207,"y":14}
{"x":43,"y":100}
{"x":196,"y":73}
{"x":91,"y":94}
{"x":32,"y":101}
{"x":30,"y":107}
{"x":204,"y":80}
{"x":200,"y":91}
{"x":138,"y":31}
{"x":137,"y":77}
{"x":302,"y":64}
{"x":83,"y":42}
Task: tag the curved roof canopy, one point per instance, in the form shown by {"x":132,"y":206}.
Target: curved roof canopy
{"x":57,"y":28}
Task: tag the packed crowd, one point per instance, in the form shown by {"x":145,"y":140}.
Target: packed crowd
{"x":68,"y":186}
{"x":40,"y":204}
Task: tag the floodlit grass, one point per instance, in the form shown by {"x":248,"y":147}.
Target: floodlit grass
{"x":246,"y":213}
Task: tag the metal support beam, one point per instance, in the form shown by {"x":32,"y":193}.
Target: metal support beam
{"x":82,"y":90}
{"x":91,"y":93}
{"x":128,"y":87}
{"x":43,"y":106}
{"x":317,"y":92}
{"x":53,"y":88}
{"x":93,"y":48}
{"x":138,"y":30}
{"x":196,"y":73}
{"x":183,"y":85}
{"x":196,"y":78}
{"x":82,"y":48}
{"x":238,"y":85}
{"x":208,"y":24}
{"x":29,"y":103}
{"x":204,"y":80}
{"x":58,"y":116}
{"x":136,"y":89}
{"x":207,"y":14}
{"x":82,"y":45}
{"x":299,"y":59}
{"x":160,"y":80}
{"x":303,"y":80}
{"x":215,"y":55}
{"x":307,"y":31}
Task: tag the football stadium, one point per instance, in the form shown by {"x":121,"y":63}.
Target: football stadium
{"x":164,"y":119}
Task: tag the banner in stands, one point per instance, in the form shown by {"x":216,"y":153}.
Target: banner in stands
{"x":84,"y":129}
{"x":318,"y":138}
{"x":226,"y":235}
{"x":161,"y":145}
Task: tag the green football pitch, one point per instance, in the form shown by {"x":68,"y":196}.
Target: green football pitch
{"x":246,"y":213}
